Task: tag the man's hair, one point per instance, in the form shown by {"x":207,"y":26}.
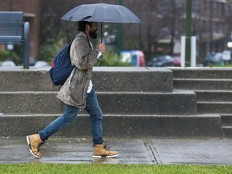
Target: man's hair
{"x":82,"y":24}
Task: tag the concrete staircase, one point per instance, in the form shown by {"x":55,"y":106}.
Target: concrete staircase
{"x":136,"y":102}
{"x":213,"y":87}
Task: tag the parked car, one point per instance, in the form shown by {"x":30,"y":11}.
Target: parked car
{"x":161,"y":61}
{"x":40,"y":64}
{"x":212,"y":59}
{"x":176,"y":60}
{"x":133,"y":57}
{"x":8,"y":63}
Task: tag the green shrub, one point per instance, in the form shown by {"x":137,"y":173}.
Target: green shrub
{"x":111,"y":59}
{"x":5,"y":54}
{"x":49,"y":51}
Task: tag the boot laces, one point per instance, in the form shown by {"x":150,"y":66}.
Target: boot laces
{"x":106,"y":147}
{"x":39,"y":145}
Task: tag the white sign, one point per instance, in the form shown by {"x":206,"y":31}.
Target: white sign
{"x":226,"y":55}
{"x":193,"y":51}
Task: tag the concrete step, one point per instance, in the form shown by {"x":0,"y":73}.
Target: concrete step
{"x":226,"y":119}
{"x":25,"y":80}
{"x":133,"y":79}
{"x":123,"y":126}
{"x":29,"y":102}
{"x":214,"y":95}
{"x":202,"y":72}
{"x":214,"y":107}
{"x":202,"y":84}
{"x":227,"y":131}
{"x":177,"y":102}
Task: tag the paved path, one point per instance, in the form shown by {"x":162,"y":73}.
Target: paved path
{"x":132,"y":151}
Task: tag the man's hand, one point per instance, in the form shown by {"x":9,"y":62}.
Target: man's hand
{"x":101,"y":47}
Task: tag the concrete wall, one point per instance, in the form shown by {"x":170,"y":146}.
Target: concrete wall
{"x":135,"y":102}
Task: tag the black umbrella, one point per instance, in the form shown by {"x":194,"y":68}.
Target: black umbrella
{"x":101,"y":12}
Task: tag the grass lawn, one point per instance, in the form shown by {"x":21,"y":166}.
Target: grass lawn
{"x":39,"y":168}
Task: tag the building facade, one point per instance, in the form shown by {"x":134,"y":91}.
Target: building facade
{"x":163,"y":22}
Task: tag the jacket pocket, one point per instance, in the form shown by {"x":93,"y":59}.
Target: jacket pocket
{"x":73,"y":74}
{"x":77,"y":78}
{"x":76,"y":87}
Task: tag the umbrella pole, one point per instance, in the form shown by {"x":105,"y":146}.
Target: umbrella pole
{"x":101,"y":32}
{"x":101,"y":42}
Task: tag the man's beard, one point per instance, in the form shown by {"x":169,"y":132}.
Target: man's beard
{"x":93,"y":34}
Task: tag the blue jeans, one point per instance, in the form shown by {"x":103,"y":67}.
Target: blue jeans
{"x":70,"y":114}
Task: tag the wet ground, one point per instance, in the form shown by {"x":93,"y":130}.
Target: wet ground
{"x":132,"y":151}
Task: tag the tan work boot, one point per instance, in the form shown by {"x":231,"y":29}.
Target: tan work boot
{"x":34,"y":142}
{"x":101,"y":151}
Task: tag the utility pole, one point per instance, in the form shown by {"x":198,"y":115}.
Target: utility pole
{"x":119,"y":33}
{"x":211,"y":28}
{"x":173,"y":28}
{"x":188,"y":32}
{"x":10,"y":5}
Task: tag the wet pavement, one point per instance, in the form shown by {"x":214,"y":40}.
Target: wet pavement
{"x":132,"y":151}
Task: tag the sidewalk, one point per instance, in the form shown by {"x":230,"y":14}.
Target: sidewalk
{"x":132,"y":151}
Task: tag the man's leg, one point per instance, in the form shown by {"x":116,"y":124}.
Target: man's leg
{"x":61,"y":122}
{"x":36,"y":140}
{"x":94,"y":110}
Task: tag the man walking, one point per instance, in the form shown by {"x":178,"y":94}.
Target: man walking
{"x":77,"y":93}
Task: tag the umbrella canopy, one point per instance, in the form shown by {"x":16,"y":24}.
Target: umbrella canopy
{"x":101,"y":12}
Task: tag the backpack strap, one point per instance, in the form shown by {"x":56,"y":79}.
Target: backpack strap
{"x":82,"y":37}
{"x":75,"y":68}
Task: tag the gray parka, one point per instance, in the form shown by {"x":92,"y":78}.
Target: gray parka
{"x":83,"y":57}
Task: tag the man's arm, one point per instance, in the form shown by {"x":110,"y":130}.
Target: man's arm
{"x":82,"y":56}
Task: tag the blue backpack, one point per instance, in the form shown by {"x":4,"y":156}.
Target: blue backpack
{"x":61,"y":66}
